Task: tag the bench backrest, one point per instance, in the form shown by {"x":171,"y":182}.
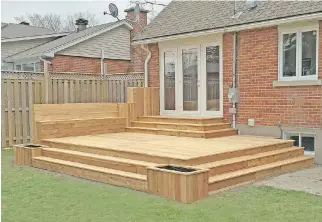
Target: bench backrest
{"x":68,"y":111}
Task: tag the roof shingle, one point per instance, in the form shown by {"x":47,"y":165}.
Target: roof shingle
{"x":40,"y":50}
{"x":181,"y":17}
{"x":10,"y":30}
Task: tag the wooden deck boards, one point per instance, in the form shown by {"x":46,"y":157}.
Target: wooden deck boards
{"x":168,"y":146}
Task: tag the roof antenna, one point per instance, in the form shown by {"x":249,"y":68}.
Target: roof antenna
{"x":236,"y":14}
{"x":114,"y":12}
{"x":136,"y":19}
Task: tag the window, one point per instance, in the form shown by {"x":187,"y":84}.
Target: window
{"x":29,"y":67}
{"x":298,"y":54}
{"x":302,"y":140}
{"x":18,"y":67}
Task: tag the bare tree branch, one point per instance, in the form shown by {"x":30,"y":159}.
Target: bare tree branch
{"x":152,"y":5}
{"x":55,"y":22}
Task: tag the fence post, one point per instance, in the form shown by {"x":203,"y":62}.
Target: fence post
{"x":46,"y":81}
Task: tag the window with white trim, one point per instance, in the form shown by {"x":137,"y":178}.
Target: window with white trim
{"x":29,"y":67}
{"x":298,"y":53}
{"x":302,"y":140}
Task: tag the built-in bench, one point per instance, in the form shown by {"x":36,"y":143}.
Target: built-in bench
{"x":77,"y":119}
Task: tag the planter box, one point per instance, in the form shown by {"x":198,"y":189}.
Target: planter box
{"x":23,"y":153}
{"x":181,"y":183}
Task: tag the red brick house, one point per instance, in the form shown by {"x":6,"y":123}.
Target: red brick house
{"x":104,"y":48}
{"x":257,"y":64}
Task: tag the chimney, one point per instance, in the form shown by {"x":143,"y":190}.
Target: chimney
{"x":81,"y":24}
{"x":143,"y":19}
{"x":24,"y":23}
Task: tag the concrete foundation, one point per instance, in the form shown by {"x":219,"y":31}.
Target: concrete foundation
{"x":274,"y":131}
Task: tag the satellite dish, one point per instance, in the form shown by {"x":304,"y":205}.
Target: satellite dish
{"x":113,"y":11}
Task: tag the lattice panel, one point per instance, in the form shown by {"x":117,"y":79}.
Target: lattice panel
{"x":22,"y":75}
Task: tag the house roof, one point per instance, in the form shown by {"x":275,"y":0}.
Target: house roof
{"x":182,"y":17}
{"x":48,"y":49}
{"x":11,"y":31}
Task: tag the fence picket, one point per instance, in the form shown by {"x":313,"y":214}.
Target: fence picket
{"x":10,"y":116}
{"x":4,"y":119}
{"x":20,"y":90}
{"x":24,"y":111}
{"x":30,"y":96}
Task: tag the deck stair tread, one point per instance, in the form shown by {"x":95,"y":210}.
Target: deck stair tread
{"x":238,"y":173}
{"x":248,"y":157}
{"x":92,"y":168}
{"x":187,"y":131}
{"x":102,"y":157}
{"x":182,"y":124}
{"x":180,"y":117}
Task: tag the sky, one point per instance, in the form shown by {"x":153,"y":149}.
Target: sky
{"x":11,"y":8}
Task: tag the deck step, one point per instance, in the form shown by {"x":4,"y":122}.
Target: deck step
{"x":244,"y":162}
{"x":185,"y":133}
{"x":115,"y":177}
{"x":127,"y":165}
{"x":254,"y":173}
{"x":180,"y":126}
{"x":173,"y":119}
{"x":156,"y":157}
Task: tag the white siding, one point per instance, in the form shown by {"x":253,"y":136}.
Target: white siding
{"x":115,"y":43}
{"x":10,"y":48}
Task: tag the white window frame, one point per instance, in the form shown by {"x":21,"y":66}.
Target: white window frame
{"x":24,"y":62}
{"x":298,"y":29}
{"x":162,"y":104}
{"x":300,"y":140}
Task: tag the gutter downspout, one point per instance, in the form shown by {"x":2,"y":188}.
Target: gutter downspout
{"x":102,"y":62}
{"x":146,"y":65}
{"x":234,"y":75}
{"x":46,"y":77}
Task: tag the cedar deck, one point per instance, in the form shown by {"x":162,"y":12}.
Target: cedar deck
{"x":124,"y":143}
{"x":176,"y":149}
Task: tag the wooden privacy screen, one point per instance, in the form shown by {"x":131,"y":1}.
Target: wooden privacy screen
{"x":146,"y":100}
{"x":20,"y":90}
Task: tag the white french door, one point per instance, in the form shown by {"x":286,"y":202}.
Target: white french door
{"x":211,"y":79}
{"x":189,"y":91}
{"x":191,"y":80}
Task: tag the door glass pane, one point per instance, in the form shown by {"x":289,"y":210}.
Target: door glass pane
{"x":307,"y":141}
{"x":212,"y":72}
{"x":190,"y":79}
{"x":169,"y":81}
{"x":308,"y":53}
{"x":289,"y":55}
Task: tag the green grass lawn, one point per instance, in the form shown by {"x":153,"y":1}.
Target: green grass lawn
{"x":34,"y":195}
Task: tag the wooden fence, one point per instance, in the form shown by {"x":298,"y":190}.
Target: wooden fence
{"x":20,"y":90}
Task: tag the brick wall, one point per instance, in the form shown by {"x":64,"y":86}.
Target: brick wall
{"x":257,"y":67}
{"x":62,"y":63}
{"x":154,"y":73}
{"x":138,"y":55}
{"x":228,"y":42}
